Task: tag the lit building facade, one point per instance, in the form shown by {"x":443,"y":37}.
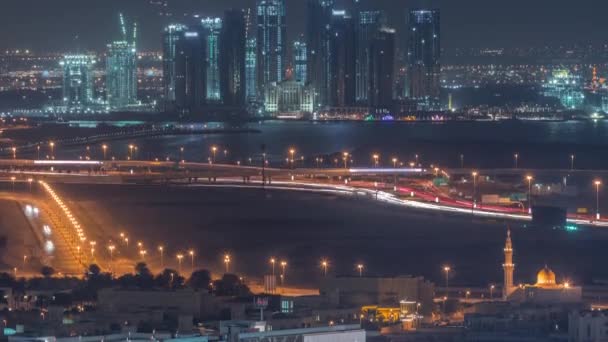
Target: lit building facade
{"x":250,"y":69}
{"x":77,"y":81}
{"x":190,"y":87}
{"x":271,"y":41}
{"x":121,"y":75}
{"x":232,"y":58}
{"x":424,"y":52}
{"x":368,"y":25}
{"x":381,"y":70}
{"x":173,"y":33}
{"x":212,"y":27}
{"x":300,"y":62}
{"x":289,"y":98}
{"x":342,"y":50}
{"x":567,"y":87}
{"x":318,"y":29}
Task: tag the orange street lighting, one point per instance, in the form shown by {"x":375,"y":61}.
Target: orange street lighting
{"x":179,"y":260}
{"x":273,"y":261}
{"x":191,"y":253}
{"x":227,"y":262}
{"x":214,"y":152}
{"x":161,"y":249}
{"x":395,"y":162}
{"x":447,"y":270}
{"x":324,"y":265}
{"x":360,"y":268}
{"x":376,"y":158}
{"x":529,"y":179}
{"x":597,"y":198}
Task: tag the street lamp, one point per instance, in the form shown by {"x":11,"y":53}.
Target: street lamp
{"x":227,"y":262}
{"x":447,"y":269}
{"x":273,"y":262}
{"x":283,"y":266}
{"x":529,"y":179}
{"x":214,"y":152}
{"x":111,"y":249}
{"x":143,"y":253}
{"x":180,"y":257}
{"x":492,"y":291}
{"x":345,"y":155}
{"x":516,"y":157}
{"x":394,"y":163}
{"x":52,"y":145}
{"x":376,"y":158}
{"x":131,"y":151}
{"x":14,"y":152}
{"x":181,"y":153}
{"x":161,"y":249}
{"x":360,"y":268}
{"x":462,"y":161}
{"x":572,"y":162}
{"x":474,"y":189}
{"x":292,"y":153}
{"x":104,"y":147}
{"x":324,"y":265}
{"x":597,"y":199}
{"x":191,"y":253}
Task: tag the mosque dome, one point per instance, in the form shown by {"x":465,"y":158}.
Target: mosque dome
{"x":545,"y":277}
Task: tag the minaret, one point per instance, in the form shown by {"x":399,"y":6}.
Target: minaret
{"x":508,"y":268}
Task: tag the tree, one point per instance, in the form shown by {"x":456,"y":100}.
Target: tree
{"x":169,"y":279}
{"x":47,"y":271}
{"x":200,"y":280}
{"x":143,"y":277}
{"x":93,"y":271}
{"x":230,"y":285}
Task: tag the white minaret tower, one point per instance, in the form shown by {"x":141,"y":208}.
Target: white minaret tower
{"x":508,"y":268}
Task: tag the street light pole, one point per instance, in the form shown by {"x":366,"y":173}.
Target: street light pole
{"x":529,"y":178}
{"x":516,"y":156}
{"x":572,"y":162}
{"x":474,"y":191}
{"x":597,"y":199}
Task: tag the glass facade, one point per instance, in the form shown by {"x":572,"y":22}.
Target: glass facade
{"x":272,"y":35}
{"x":300,"y":62}
{"x":121,"y":75}
{"x":368,"y":25}
{"x":318,"y":29}
{"x":213,"y":27}
{"x":424,"y":52}
{"x":173,"y":33}
{"x":77,"y":81}
{"x":250,"y":69}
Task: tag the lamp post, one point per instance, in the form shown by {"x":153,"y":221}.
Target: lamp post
{"x":131,"y":151}
{"x":360,"y":268}
{"x":161,"y":249}
{"x":52,"y":145}
{"x":492,"y":291}
{"x":111,"y":249}
{"x":273,"y":261}
{"x":181,"y":153}
{"x":14,"y":152}
{"x":104,"y":148}
{"x":345,"y":157}
{"x":214,"y":152}
{"x":572,"y":162}
{"x":376,"y":158}
{"x":324,"y":265}
{"x":292,"y":153}
{"x":180,"y":257}
{"x":227,"y":262}
{"x":474,"y":174}
{"x":283,"y":267}
{"x":529,"y":179}
{"x":516,"y":158}
{"x":597,"y":199}
{"x":462,"y":161}
{"x":38,"y":152}
{"x":191,"y":253}
{"x":447,"y":269}
{"x":395,"y":163}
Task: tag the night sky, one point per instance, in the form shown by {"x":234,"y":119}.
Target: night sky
{"x":51,"y":25}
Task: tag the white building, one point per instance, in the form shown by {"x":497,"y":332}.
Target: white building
{"x":588,"y":326}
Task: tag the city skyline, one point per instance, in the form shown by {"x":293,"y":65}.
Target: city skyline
{"x":469,"y":23}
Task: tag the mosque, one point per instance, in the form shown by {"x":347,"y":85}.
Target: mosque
{"x":546,"y":290}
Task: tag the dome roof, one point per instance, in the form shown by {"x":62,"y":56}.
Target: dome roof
{"x":545,"y":277}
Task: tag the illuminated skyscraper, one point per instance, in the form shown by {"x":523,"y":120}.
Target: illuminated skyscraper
{"x":173,"y":33}
{"x":318,"y":29}
{"x":121,"y":70}
{"x":272,"y":37}
{"x":190,"y":72}
{"x":77,"y":80}
{"x":232,"y":58}
{"x":300,"y":62}
{"x":424,"y":52}
{"x":342,"y":52}
{"x":213,"y":27}
{"x":250,"y":69}
{"x":381,"y":69}
{"x":368,"y":25}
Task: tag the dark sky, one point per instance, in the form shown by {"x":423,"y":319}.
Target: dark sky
{"x":53,"y":24}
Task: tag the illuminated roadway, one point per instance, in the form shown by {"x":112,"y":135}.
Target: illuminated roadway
{"x":300,"y":179}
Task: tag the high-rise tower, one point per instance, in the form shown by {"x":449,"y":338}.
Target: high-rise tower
{"x":121,"y":70}
{"x":172,"y":35}
{"x":318,"y":31}
{"x":213,"y":28}
{"x":272,"y":38}
{"x":424,"y":51}
{"x":508,"y":267}
{"x":368,"y":24}
{"x":232,"y":58}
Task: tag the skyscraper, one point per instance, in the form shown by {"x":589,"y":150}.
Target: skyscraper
{"x":251,"y":69}
{"x":368,"y":25}
{"x":173,"y":33}
{"x":232,"y":58}
{"x":300,"y":62}
{"x":381,"y":69}
{"x":121,"y":70}
{"x":213,"y":27}
{"x":272,"y":37}
{"x":318,"y":29}
{"x":424,"y":52}
{"x":77,"y":80}
{"x":190,"y":92}
{"x":342,"y":84}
